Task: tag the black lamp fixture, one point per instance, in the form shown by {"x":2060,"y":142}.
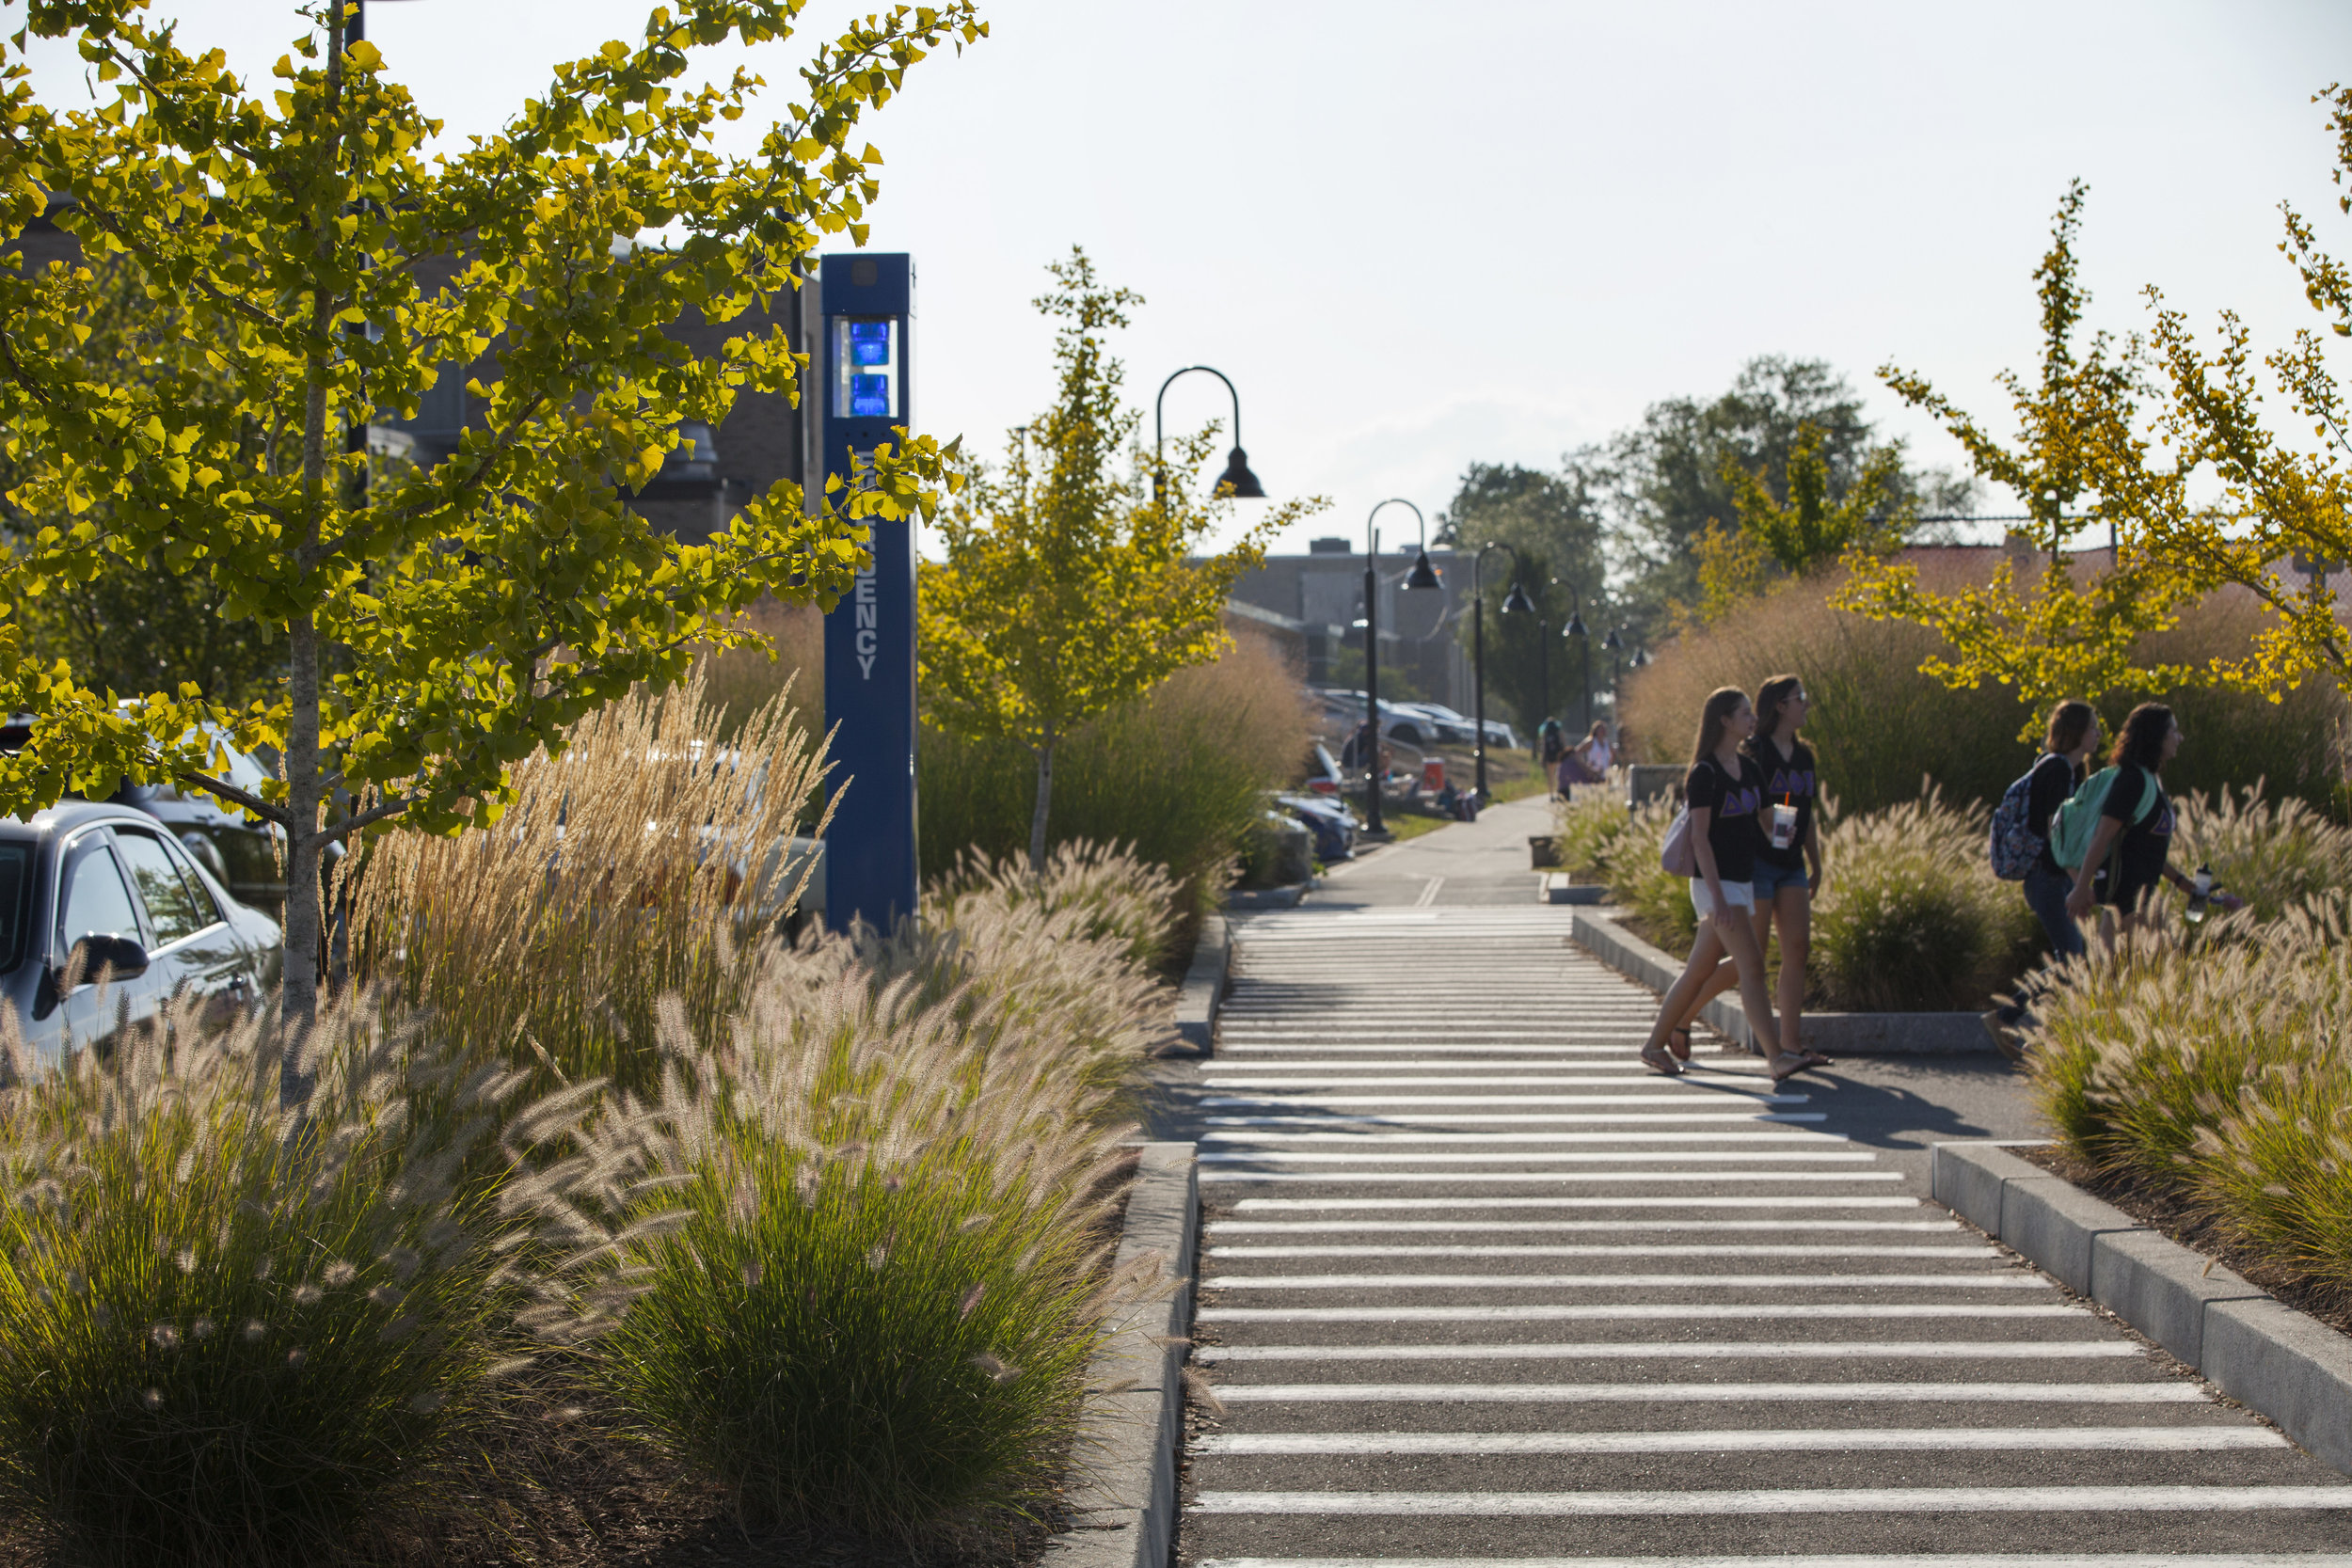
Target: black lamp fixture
{"x":1516,"y":602}
{"x":1238,"y":479}
{"x":1244,"y":484}
{"x":1613,"y":642}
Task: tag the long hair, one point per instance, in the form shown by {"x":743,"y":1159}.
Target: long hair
{"x":1721,"y":705}
{"x":1768,"y":699}
{"x":2070,"y":721}
{"x":2141,"y":738}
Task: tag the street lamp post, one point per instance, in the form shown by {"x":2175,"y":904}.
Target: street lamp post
{"x":1515,"y":603}
{"x":1614,"y":643}
{"x":1422,"y":575}
{"x":1236,"y":474}
{"x":1576,"y":628}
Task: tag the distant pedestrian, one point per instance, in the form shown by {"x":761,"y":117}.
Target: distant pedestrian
{"x":1587,"y":762}
{"x":1551,"y":746}
{"x":1788,"y":864}
{"x":1722,"y":797}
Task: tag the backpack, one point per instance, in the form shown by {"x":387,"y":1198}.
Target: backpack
{"x":1676,"y":856}
{"x":2016,"y":846}
{"x":2072,"y":825}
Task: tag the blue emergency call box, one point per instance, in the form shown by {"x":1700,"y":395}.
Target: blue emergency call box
{"x":859,"y":361}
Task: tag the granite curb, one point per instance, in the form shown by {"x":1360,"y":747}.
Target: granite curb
{"x":1203,"y":988}
{"x":1850,"y":1034}
{"x":2256,"y":1349}
{"x":1124,"y":1507}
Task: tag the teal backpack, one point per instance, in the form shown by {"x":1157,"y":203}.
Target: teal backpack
{"x":2074,"y":823}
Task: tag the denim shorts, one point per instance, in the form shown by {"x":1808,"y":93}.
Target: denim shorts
{"x":1770,"y":878}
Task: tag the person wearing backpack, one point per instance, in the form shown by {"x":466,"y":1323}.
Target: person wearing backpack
{"x":2072,"y":736}
{"x":1723,"y":798}
{"x":2022,"y":851}
{"x":2132,"y":838}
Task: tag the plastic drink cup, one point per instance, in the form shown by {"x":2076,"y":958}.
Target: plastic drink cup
{"x":1784,"y":826}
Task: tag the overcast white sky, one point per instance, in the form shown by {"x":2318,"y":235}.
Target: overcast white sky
{"x":1421,"y":236}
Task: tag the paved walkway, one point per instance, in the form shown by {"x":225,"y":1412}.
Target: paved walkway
{"x":1475,"y":1289}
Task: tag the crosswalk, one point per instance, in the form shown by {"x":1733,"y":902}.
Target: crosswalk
{"x":1475,"y":1290}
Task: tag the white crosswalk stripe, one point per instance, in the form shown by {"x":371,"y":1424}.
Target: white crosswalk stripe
{"x":1468,"y":1268}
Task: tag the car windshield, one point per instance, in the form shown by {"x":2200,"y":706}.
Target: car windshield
{"x":16,"y":885}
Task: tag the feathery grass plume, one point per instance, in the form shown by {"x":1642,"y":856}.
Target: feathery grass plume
{"x":643,"y":859}
{"x":1910,"y":917}
{"x":1118,"y":893}
{"x":1586,"y":826}
{"x":157,"y":1192}
{"x":877,"y":1310}
{"x":2216,"y":1067}
{"x":2272,"y":853}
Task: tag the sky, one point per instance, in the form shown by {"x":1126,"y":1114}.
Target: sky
{"x":1421,"y":236}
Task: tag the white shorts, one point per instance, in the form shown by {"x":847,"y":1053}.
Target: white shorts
{"x":1739,"y":895}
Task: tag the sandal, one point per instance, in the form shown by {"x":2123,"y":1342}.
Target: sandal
{"x":1787,"y":1067}
{"x":1656,"y":1059}
{"x":1681,"y":1052}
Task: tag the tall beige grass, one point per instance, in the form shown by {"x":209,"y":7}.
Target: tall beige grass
{"x":878,"y":1312}
{"x":2215,"y":1068}
{"x":645,"y":858}
{"x":1879,"y":725}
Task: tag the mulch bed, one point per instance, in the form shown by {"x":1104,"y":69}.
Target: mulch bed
{"x":591,"y":1501}
{"x":2165,"y":1213}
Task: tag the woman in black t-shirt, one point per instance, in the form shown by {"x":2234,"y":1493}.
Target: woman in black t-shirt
{"x":1788,"y":862}
{"x":1722,"y":796}
{"x":2072,"y":734}
{"x":2134,"y":820}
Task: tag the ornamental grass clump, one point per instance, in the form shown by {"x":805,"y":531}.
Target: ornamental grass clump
{"x":877,"y":1312}
{"x":1659,"y":901}
{"x":1910,"y":917}
{"x":2274,"y":855}
{"x":643,"y":859}
{"x":1116,"y":892}
{"x":1586,"y":826}
{"x":233,"y":1333}
{"x":2213,"y":1070}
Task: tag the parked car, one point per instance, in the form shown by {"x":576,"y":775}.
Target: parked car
{"x":244,"y":855}
{"x":1446,"y":726}
{"x":1398,"y":722}
{"x":89,"y":887}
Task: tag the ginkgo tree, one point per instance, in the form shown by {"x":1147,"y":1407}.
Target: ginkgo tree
{"x":310,"y":266}
{"x":1813,"y":528}
{"x":1073,"y":583}
{"x":2204,"y":490}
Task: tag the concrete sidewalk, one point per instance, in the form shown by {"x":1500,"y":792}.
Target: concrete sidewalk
{"x":1476,"y":1289}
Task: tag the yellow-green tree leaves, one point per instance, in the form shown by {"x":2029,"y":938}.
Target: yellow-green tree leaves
{"x":308,"y":265}
{"x":2054,"y":628}
{"x":1069,"y":586}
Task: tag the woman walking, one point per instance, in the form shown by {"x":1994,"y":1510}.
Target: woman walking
{"x":1553,"y":745}
{"x":1787,"y":865}
{"x":2072,"y":736}
{"x":2135,"y":823}
{"x":1588,"y":760}
{"x":1723,"y":794}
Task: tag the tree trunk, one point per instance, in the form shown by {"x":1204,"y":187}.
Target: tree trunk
{"x":1045,"y":805}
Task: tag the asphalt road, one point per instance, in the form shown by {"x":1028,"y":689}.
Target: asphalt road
{"x":1475,"y":1288}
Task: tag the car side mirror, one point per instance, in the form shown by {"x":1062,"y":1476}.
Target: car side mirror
{"x":96,"y":952}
